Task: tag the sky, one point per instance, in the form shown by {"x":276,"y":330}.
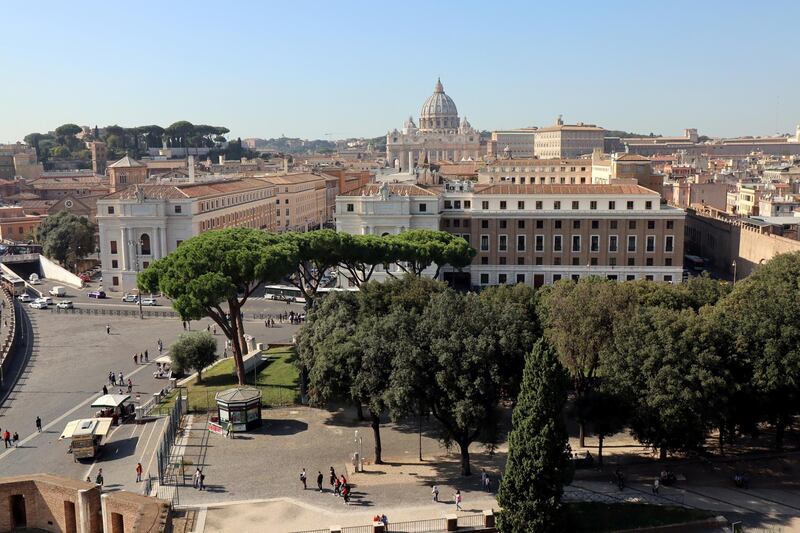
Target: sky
{"x":337,"y":69}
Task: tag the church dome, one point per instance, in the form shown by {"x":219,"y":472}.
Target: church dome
{"x":439,"y":111}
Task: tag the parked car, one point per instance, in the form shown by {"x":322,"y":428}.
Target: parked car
{"x":36,"y":304}
{"x":86,"y":278}
{"x":33,"y":279}
{"x":149,"y":301}
{"x":45,"y":299}
{"x":64,"y":304}
{"x":130,"y":298}
{"x":25,"y":297}
{"x":97,"y":294}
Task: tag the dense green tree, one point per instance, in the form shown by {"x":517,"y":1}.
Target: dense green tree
{"x":362,"y":254}
{"x":213,"y":275}
{"x":317,"y":253}
{"x":665,"y":363}
{"x":66,"y":237}
{"x":538,"y":449}
{"x":68,"y":130}
{"x":578,"y":318}
{"x":32,"y":140}
{"x":421,"y":248}
{"x":608,"y":412}
{"x":761,"y":314}
{"x":194,"y":351}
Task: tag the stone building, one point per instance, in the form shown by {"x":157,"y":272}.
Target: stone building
{"x":126,"y":172}
{"x":567,"y":140}
{"x":440,"y":136}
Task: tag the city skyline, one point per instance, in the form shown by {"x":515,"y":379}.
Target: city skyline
{"x":336,"y":71}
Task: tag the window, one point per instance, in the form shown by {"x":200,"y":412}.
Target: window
{"x":351,"y":207}
{"x":520,"y":205}
{"x":594,"y":243}
{"x":648,"y":261}
{"x":502,"y":278}
{"x":576,"y":204}
{"x":520,"y":260}
{"x":630,"y":277}
{"x":502,"y":260}
{"x":669,"y":243}
{"x":114,"y":263}
{"x":612,"y":261}
{"x":145,"y":264}
{"x":178,"y":209}
{"x":448,"y":204}
{"x":423,"y":208}
{"x":593,"y":261}
{"x":595,"y":224}
{"x":668,"y":261}
{"x":612,"y":224}
{"x":538,"y":204}
{"x":576,"y":277}
{"x":556,"y":260}
{"x":484,"y":204}
{"x":630,"y":205}
{"x":668,"y":278}
{"x":484,"y":279}
{"x":467,"y":204}
{"x":502,"y":204}
{"x":520,"y":278}
{"x":557,"y":205}
{"x":520,"y":224}
{"x":576,"y":224}
{"x":484,"y":243}
{"x":520,"y":243}
{"x":539,"y":243}
{"x":503,"y":224}
{"x":557,"y":224}
{"x":539,"y":260}
{"x":115,"y":280}
{"x":484,"y":260}
{"x":576,"y":243}
{"x":556,"y":243}
{"x":648,"y":204}
{"x":650,"y":244}
{"x":649,"y":277}
{"x":612,"y":205}
{"x":111,"y":210}
{"x":593,"y":204}
{"x":631,"y":243}
{"x":670,"y":224}
{"x":178,"y":243}
{"x":484,"y":224}
{"x":502,"y":243}
{"x":613,"y":243}
{"x":556,"y":277}
{"x":456,"y":222}
{"x":631,"y":224}
{"x":456,"y":204}
{"x":113,"y":246}
{"x":631,"y":261}
{"x":651,"y":224}
{"x":539,"y":224}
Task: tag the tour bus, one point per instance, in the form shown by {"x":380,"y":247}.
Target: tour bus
{"x":12,"y":282}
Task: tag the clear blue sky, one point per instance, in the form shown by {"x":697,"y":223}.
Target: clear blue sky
{"x":352,"y":68}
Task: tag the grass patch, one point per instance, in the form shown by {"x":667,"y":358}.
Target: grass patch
{"x":277,"y":377}
{"x":593,"y":516}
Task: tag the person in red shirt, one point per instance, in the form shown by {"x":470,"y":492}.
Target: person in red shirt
{"x":6,"y":438}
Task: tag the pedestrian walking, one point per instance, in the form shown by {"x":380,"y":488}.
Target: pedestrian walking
{"x":112,"y":378}
{"x":105,"y":390}
{"x":656,"y":484}
{"x":130,"y":386}
{"x":320,"y":477}
{"x":346,"y":493}
{"x":303,"y":478}
{"x":435,"y":493}
{"x":136,"y":359}
{"x":108,"y":329}
{"x":196,"y":478}
{"x":337,"y":487}
{"x":121,"y":379}
{"x":38,"y":424}
{"x":146,"y":357}
{"x":138,"y":472}
{"x":15,"y":439}
{"x":99,"y":478}
{"x":202,"y":481}
{"x":6,"y":438}
{"x":458,"y":500}
{"x":332,"y":478}
{"x":214,"y":330}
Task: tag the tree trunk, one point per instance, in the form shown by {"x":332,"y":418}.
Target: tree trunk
{"x":360,"y":411}
{"x":376,"y":432}
{"x":465,"y":470}
{"x":780,"y":428}
{"x":662,"y":453}
{"x":722,"y":439}
{"x":238,"y":360}
{"x":581,"y":434}
{"x":600,"y":438}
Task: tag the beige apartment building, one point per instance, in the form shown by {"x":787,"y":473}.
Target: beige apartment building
{"x":301,"y":201}
{"x":516,"y":144}
{"x":567,"y":140}
{"x":539,"y":171}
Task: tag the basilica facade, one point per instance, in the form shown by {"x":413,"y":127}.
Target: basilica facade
{"x":440,"y":136}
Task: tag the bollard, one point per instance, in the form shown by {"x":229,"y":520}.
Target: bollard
{"x":488,"y":518}
{"x":452,"y":522}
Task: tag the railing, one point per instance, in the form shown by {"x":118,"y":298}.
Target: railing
{"x":9,"y":314}
{"x":117,"y":312}
{"x":358,"y":529}
{"x":420,"y":526}
{"x":470,"y":520}
{"x":168,"y":439}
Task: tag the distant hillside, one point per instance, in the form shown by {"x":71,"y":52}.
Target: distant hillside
{"x":626,"y":134}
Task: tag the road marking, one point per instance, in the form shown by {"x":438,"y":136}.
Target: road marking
{"x":59,"y":419}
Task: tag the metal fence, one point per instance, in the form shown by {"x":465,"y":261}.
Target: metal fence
{"x":419,"y":526}
{"x":150,"y":313}
{"x":358,"y":529}
{"x":168,"y":440}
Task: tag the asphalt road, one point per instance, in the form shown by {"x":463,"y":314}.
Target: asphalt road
{"x":68,"y":360}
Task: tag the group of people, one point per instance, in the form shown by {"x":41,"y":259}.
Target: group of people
{"x":118,"y":381}
{"x":141,"y":358}
{"x":291,"y":317}
{"x":339,"y":485}
{"x":11,"y":440}
{"x":382,"y":519}
{"x":457,"y":498}
{"x":199,"y":479}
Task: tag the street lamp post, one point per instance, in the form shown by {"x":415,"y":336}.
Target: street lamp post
{"x":734,"y":272}
{"x":135,"y":246}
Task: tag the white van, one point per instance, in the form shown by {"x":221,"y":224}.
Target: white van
{"x":58,"y":291}
{"x":33,"y":279}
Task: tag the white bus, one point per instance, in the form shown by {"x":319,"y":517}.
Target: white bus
{"x":290,"y":293}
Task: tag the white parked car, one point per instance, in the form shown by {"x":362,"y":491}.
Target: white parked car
{"x":24,"y":297}
{"x":64,"y":304}
{"x":45,"y":299}
{"x":38,"y":305}
{"x":149,"y":301}
{"x":130,"y":298}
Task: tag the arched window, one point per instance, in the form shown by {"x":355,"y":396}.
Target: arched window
{"x":145,"y":240}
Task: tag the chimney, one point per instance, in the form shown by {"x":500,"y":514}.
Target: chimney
{"x":190,"y":164}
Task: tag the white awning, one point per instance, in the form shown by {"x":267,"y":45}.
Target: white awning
{"x":87,"y":426}
{"x":110,"y":400}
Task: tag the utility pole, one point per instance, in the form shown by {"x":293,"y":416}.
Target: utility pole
{"x":135,"y":246}
{"x":734,"y":272}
